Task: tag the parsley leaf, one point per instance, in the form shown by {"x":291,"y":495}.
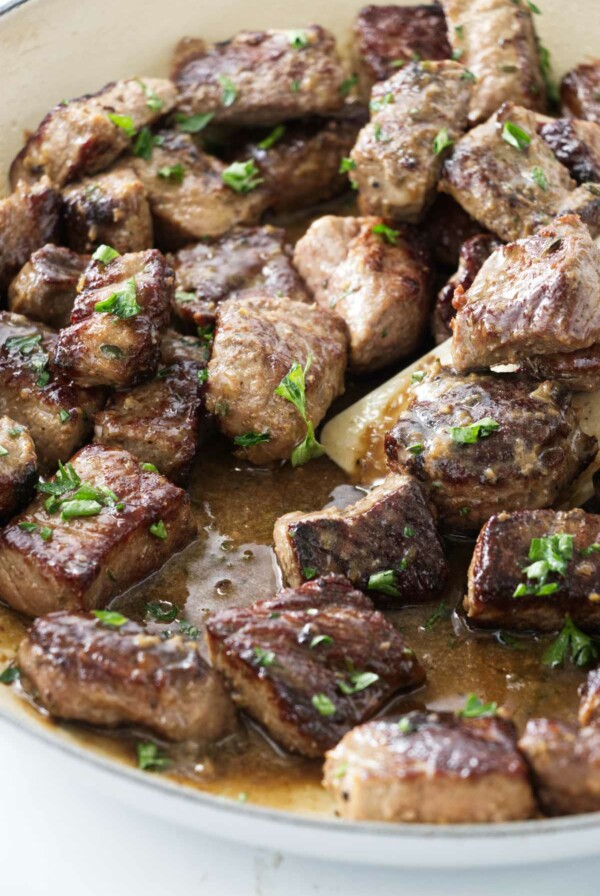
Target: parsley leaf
{"x":159,"y":530}
{"x":10,"y":674}
{"x":123,"y":304}
{"x":475,"y":708}
{"x":229,"y":95}
{"x":193,"y":124}
{"x":104,"y":254}
{"x":162,"y":610}
{"x":242,"y":177}
{"x":153,"y":101}
{"x":515,"y":136}
{"x":110,"y":618}
{"x":293,"y":388}
{"x":385,"y":582}
{"x":347,"y":164}
{"x":347,"y":85}
{"x":175,"y":173}
{"x":125,"y":122}
{"x":539,"y":177}
{"x":442,"y":611}
{"x":263,"y":657}
{"x":149,"y":757}
{"x":247,"y":439}
{"x":298,"y":39}
{"x":441,"y":141}
{"x":143,"y":144}
{"x":572,"y":642}
{"x":468,"y":435}
{"x":388,"y":233}
{"x":550,"y":554}
{"x":272,"y":138}
{"x":323,"y":704}
{"x":320,"y":641}
{"x":358,"y":681}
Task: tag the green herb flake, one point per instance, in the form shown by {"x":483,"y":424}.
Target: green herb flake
{"x":459,"y":30}
{"x":573,"y":643}
{"x":405,"y":725}
{"x":174,"y":173}
{"x":379,"y":103}
{"x":323,"y":705}
{"x":75,"y":509}
{"x":295,"y":86}
{"x":441,"y":141}
{"x":272,"y":138}
{"x":16,"y":431}
{"x":475,"y":708}
{"x":229,"y":95}
{"x":417,"y":377}
{"x":539,"y":177}
{"x":10,"y":675}
{"x":515,"y":136}
{"x":308,"y":573}
{"x":388,"y":233}
{"x":263,"y":657}
{"x":150,"y":758}
{"x":182,"y":297}
{"x":533,"y":8}
{"x":46,"y":533}
{"x":3,"y":451}
{"x":123,"y":304}
{"x":298,"y":39}
{"x":248,"y":439}
{"x":193,"y":124}
{"x":112,"y":351}
{"x":469,"y":435}
{"x":468,"y":75}
{"x":409,"y":532}
{"x":591,"y":549}
{"x":64,"y":416}
{"x":549,"y":554}
{"x":416,"y":449}
{"x":28,"y":527}
{"x":187,"y":629}
{"x":397,"y":63}
{"x":358,"y":681}
{"x":442,"y":611}
{"x":159,"y":530}
{"x":347,"y":164}
{"x":242,"y":177}
{"x":149,"y":468}
{"x":153,"y":101}
{"x":320,"y":641}
{"x":110,"y":618}
{"x":104,"y":254}
{"x":293,"y":389}
{"x":125,"y":122}
{"x":347,"y":85}
{"x":143,"y":144}
{"x":161,"y":610}
{"x":457,"y":54}
{"x":202,"y":376}
{"x":386,"y":582}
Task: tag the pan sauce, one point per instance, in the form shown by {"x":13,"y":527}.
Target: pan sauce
{"x":233,"y":563}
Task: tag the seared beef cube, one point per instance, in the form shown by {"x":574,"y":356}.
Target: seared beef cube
{"x":260,"y":77}
{"x":386,"y":543}
{"x":79,"y":667}
{"x":589,"y":706}
{"x":29,"y":217}
{"x":488,"y":443}
{"x":188,"y":195}
{"x":175,"y":347}
{"x":386,"y":37}
{"x":117,"y":321}
{"x":580,"y":91}
{"x":496,"y":40}
{"x":576,"y":144}
{"x":45,"y":287}
{"x":375,"y":279}
{"x":80,"y":137}
{"x":432,"y":768}
{"x":111,"y":209}
{"x":18,"y":467}
{"x":565,"y":762}
{"x":257,"y":343}
{"x":302,"y":167}
{"x":398,"y":156}
{"x":311,"y":663}
{"x":510,"y":586}
{"x":256,"y":259}
{"x":158,"y":421}
{"x":446,"y":227}
{"x":535,"y":297}
{"x":99,"y":526}
{"x":473,"y":253}
{"x":57,"y":413}
{"x":511,"y":191}
{"x":578,"y":371}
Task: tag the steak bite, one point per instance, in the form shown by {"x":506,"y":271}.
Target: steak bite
{"x":532,"y":300}
{"x":301,"y":167}
{"x":565,"y":762}
{"x":117,"y":321}
{"x":311,"y":663}
{"x":386,"y":37}
{"x":259,"y":341}
{"x":386,"y":543}
{"x":190,"y":193}
{"x":82,"y":668}
{"x":496,"y":40}
{"x":109,"y":208}
{"x":589,"y":692}
{"x":158,"y":421}
{"x":576,"y":145}
{"x":532,"y":567}
{"x":488,"y":443}
{"x":580,"y":91}
{"x":99,"y":526}
{"x":246,"y":259}
{"x":29,"y":218}
{"x":512,"y":185}
{"x":175,"y":347}
{"x":372,"y":277}
{"x":415,"y":115}
{"x":445,"y":228}
{"x":18,"y":467}
{"x":260,"y":77}
{"x":46,"y":286}
{"x":431,"y":768}
{"x":473,"y":253}
{"x":87,"y":134}
{"x":56,"y":412}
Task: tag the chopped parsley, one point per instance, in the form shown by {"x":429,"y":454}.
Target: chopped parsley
{"x":573,"y":643}
{"x":323,"y":704}
{"x":591,"y":549}
{"x":457,"y":54}
{"x":309,"y":572}
{"x":3,"y":451}
{"x":468,"y":435}
{"x":272,"y":138}
{"x":242,"y":177}
{"x":263,"y":657}
{"x":125,"y":122}
{"x":298,"y":39}
{"x":110,"y":618}
{"x":248,"y":439}
{"x":415,"y":449}
{"x":162,"y":610}
{"x":229,"y":95}
{"x":357,"y":681}
{"x":104,"y":254}
{"x":202,"y":376}
{"x":417,"y":377}
{"x":153,"y":101}
{"x":150,"y":758}
{"x":468,"y":75}
{"x":182,"y":297}
{"x":159,"y":530}
{"x":112,"y":351}
{"x":409,"y":532}
{"x":441,"y":141}
{"x":386,"y":582}
{"x":347,"y":85}
{"x":193,"y":124}
{"x":320,"y":641}
{"x":174,"y":173}
{"x":80,"y":508}
{"x":149,"y":468}
{"x":347,"y":164}
{"x":475,"y":708}
{"x":36,"y":357}
{"x":388,"y":233}
{"x":515,"y":136}
{"x":16,"y":431}
{"x":9,"y":675}
{"x":405,"y":725}
{"x":293,"y":388}
{"x":295,"y":86}
{"x":143,"y":144}
{"x":64,"y":415}
{"x":549,"y":554}
{"x":123,"y":303}
{"x":442,"y":611}
{"x":539,"y":177}
{"x":378,"y":104}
